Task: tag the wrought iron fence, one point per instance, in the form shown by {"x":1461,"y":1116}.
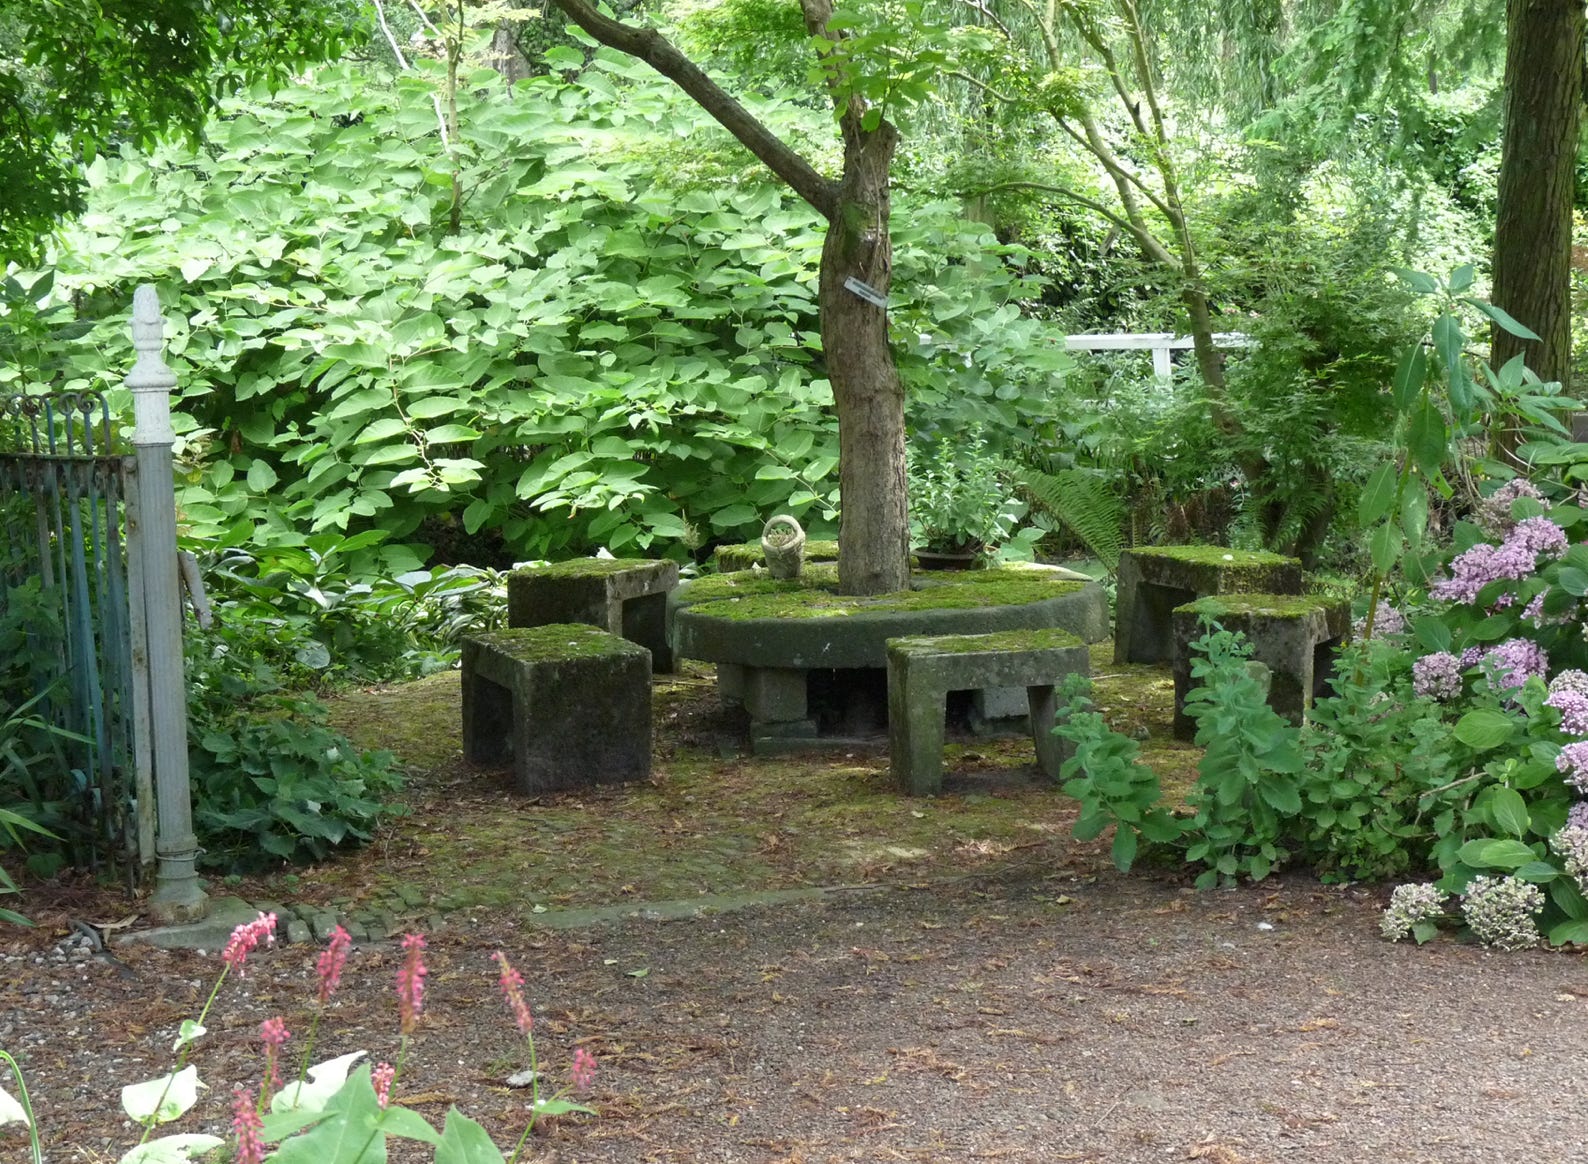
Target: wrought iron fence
{"x":67,"y":622}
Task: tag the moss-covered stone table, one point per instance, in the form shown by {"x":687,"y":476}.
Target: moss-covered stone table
{"x":568,"y":703}
{"x":768,"y":638}
{"x":745,"y":555}
{"x":1294,"y":636}
{"x":623,"y":596}
{"x":1153,"y":581}
{"x":923,"y":669}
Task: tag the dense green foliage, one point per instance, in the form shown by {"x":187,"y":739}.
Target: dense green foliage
{"x":598,"y":359}
{"x":79,"y":78}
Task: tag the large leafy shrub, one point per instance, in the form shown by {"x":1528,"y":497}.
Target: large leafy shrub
{"x":617,"y":348}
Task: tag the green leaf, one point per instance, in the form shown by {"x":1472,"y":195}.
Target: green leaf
{"x":1568,"y":898}
{"x":1573,"y":581}
{"x":1417,"y":281}
{"x":1124,"y":850}
{"x":1538,"y":872}
{"x":1431,"y":633}
{"x":1503,"y":318}
{"x":1448,"y":341}
{"x":261,"y":477}
{"x":1379,"y":494}
{"x":451,"y":434}
{"x":1494,"y":853}
{"x":1484,"y":728}
{"x":1428,"y":440}
{"x":1409,"y":377}
{"x":172,"y":1149}
{"x":161,"y":1100}
{"x":1385,"y":546}
{"x":1569,"y":933}
{"x":1510,"y":812}
{"x":465,"y":1142}
{"x":1460,"y":279}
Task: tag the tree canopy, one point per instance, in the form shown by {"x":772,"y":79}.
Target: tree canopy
{"x":79,"y":76}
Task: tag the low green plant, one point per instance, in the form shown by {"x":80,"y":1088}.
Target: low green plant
{"x":959,"y":500}
{"x":334,"y":1112}
{"x":1246,"y":779}
{"x":271,"y":781}
{"x":1110,"y":782}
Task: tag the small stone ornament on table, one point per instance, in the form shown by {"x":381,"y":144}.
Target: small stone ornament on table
{"x":783,"y":544}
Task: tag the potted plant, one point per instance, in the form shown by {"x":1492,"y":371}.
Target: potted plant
{"x":960,"y":505}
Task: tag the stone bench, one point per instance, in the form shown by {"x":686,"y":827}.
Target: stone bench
{"x":568,"y":703}
{"x":1154,"y":581}
{"x":623,"y":596}
{"x":1295,"y":637}
{"x":923,"y":669}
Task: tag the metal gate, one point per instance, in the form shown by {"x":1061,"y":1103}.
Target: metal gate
{"x":67,"y":622}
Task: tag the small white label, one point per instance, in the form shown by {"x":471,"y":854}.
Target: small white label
{"x":865,"y":291}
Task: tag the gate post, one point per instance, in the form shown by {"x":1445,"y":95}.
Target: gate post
{"x":177,"y":896}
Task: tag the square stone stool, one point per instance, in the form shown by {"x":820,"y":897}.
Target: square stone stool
{"x":1294,"y":636}
{"x":568,"y":703}
{"x":1153,"y":581}
{"x":624,"y":596}
{"x":923,"y":669}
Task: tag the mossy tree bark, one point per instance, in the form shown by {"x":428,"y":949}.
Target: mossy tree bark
{"x":1532,"y":236}
{"x":873,"y":538}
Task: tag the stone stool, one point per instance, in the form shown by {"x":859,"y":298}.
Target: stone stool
{"x":1295,"y":637}
{"x":570,"y":704}
{"x":1153,"y":581}
{"x":923,"y":669}
{"x":624,"y":596}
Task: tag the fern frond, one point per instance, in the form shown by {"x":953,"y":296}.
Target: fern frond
{"x":1083,"y":503}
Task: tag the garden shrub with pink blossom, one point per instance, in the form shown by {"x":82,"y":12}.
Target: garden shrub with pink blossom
{"x":333,"y":1112}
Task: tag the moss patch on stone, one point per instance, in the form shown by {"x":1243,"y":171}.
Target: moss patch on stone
{"x":748,"y":594}
{"x":586,"y":567}
{"x":730,"y":559}
{"x":557,"y":640}
{"x":1045,"y":638}
{"x":1263,"y":605}
{"x":1221,"y":556}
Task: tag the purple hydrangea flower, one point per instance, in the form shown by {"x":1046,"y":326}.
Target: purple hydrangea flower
{"x":1577,"y":816}
{"x":1437,"y":676}
{"x":1512,"y":560}
{"x":1471,"y":657}
{"x":1539,"y":535}
{"x":1514,"y":661}
{"x":1573,"y":707}
{"x":1573,"y":764}
{"x":1493,"y":513}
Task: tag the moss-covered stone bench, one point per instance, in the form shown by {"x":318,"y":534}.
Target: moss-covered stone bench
{"x":923,"y":669}
{"x":569,"y":703}
{"x":623,"y":596}
{"x":1294,"y":636}
{"x":1154,"y":581}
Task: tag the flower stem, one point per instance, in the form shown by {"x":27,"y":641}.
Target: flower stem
{"x":534,"y":1099}
{"x":27,"y":1106}
{"x":181,"y":1060}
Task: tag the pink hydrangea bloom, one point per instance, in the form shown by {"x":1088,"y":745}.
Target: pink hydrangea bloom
{"x":1573,"y":707}
{"x":1514,"y":662}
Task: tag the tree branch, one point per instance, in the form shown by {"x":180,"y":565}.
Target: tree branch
{"x":657,"y":51}
{"x":1146,"y":238}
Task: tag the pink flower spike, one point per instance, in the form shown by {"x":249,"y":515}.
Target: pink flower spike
{"x":246,"y":937}
{"x":583,"y":1070}
{"x":411,"y":982}
{"x":247,"y":1126}
{"x":274,"y":1032}
{"x":513,"y":989}
{"x":332,"y":959}
{"x":381,"y":1077}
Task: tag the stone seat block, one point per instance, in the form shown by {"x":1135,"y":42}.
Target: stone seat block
{"x":568,"y":703}
{"x":1294,"y":637}
{"x":623,"y":596}
{"x":1154,"y":580}
{"x":923,"y":669}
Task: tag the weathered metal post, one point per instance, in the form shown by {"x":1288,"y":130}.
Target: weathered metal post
{"x":177,"y":896}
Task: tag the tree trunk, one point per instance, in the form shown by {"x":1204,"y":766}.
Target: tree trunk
{"x":1532,"y":235}
{"x":874,"y":534}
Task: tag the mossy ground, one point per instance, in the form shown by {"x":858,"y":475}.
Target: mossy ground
{"x":710,"y":820}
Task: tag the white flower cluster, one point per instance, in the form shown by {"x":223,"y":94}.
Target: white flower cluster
{"x":1571,"y":845}
{"x":1410,"y":904}
{"x":1500,"y":910}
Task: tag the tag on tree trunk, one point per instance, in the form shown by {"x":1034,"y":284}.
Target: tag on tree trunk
{"x":865,"y":291}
